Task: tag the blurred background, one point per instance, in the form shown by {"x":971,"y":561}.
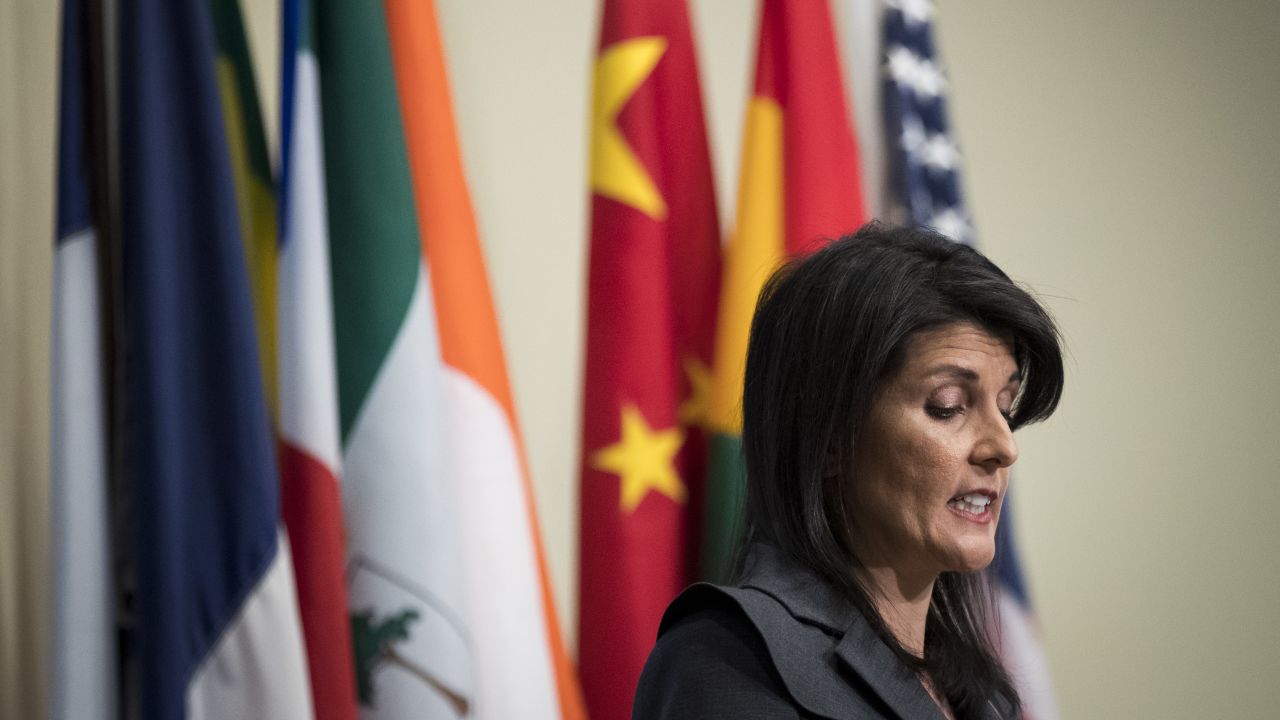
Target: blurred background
{"x":1120,"y":159}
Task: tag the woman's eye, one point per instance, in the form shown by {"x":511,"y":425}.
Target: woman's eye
{"x":943,"y":412}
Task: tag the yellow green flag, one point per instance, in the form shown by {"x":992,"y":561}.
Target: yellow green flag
{"x":799,"y":188}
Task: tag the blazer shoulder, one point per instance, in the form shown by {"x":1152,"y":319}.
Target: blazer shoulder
{"x":752,"y":635}
{"x":710,"y":662}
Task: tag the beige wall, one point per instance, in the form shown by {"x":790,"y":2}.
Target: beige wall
{"x":28,"y":86}
{"x":1122,"y":160}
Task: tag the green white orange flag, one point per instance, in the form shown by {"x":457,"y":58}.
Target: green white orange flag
{"x":799,"y":187}
{"x":451,"y":615}
{"x":654,"y":272}
{"x":522,"y":668}
{"x":412,"y":654}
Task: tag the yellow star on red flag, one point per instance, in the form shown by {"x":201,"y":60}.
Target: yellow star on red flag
{"x":616,"y":172}
{"x":644,"y":460}
{"x":695,"y":411}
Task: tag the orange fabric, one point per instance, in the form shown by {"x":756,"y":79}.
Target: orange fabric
{"x":469,"y":337}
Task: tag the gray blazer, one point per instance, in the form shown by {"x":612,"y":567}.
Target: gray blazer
{"x":783,"y":644}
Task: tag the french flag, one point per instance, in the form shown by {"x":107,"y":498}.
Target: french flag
{"x":84,"y":652}
{"x":216,"y":632}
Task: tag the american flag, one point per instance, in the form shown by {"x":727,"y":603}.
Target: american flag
{"x":924,"y":173}
{"x":925,"y":189}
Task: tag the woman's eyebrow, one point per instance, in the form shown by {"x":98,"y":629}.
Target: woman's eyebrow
{"x":955,"y":371}
{"x":964,"y":373}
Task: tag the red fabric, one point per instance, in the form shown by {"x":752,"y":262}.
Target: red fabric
{"x":652,"y":293}
{"x":312,"y":511}
{"x":798,"y":66}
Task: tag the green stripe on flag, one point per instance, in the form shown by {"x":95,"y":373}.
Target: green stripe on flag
{"x":726,"y":486}
{"x":372,"y":226}
{"x":306,"y":27}
{"x":251,"y":173}
{"x":232,"y":44}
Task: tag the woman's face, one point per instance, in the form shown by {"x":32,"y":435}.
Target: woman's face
{"x":931,"y":465}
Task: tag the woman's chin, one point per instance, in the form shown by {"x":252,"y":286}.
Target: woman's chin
{"x":972,"y":557}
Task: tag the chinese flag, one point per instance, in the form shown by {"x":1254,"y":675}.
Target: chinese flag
{"x":652,"y":290}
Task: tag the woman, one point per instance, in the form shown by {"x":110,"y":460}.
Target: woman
{"x":885,"y":376}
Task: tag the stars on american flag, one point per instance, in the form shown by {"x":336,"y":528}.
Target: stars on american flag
{"x":940,"y":153}
{"x":913,"y":136}
{"x":915,"y":12}
{"x":936,"y":151}
{"x":927,"y":159}
{"x":952,"y":222}
{"x":909,"y":69}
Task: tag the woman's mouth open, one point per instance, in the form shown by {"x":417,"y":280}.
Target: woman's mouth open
{"x":974,"y":506}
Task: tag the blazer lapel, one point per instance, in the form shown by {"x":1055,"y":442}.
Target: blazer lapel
{"x":811,"y":600}
{"x":867,"y":655}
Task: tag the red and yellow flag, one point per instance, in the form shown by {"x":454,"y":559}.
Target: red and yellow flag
{"x":799,"y":187}
{"x":654,"y":272}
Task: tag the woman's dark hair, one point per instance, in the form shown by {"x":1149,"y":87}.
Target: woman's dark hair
{"x":829,"y":331}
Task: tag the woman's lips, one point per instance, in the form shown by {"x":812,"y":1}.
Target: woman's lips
{"x":974,"y":506}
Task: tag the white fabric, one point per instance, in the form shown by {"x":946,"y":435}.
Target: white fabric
{"x":1024,"y":658}
{"x":84,"y":649}
{"x":504,"y":602}
{"x":308,"y":385}
{"x":402,"y":521}
{"x":258,"y":668}
{"x":860,"y":23}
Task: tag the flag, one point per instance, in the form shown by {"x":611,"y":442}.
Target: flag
{"x":251,"y":174}
{"x":924,"y":172}
{"x":799,"y":187}
{"x":85,"y":675}
{"x":414,"y":648}
{"x":654,"y":267}
{"x":861,"y":24}
{"x":215,"y":628}
{"x":522,"y":668}
{"x":1020,"y":647}
{"x":310,"y":464}
{"x":925,"y":183}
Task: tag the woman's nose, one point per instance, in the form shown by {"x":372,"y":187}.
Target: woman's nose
{"x":996,"y":447}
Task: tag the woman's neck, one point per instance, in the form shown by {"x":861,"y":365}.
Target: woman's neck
{"x":902,"y":599}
